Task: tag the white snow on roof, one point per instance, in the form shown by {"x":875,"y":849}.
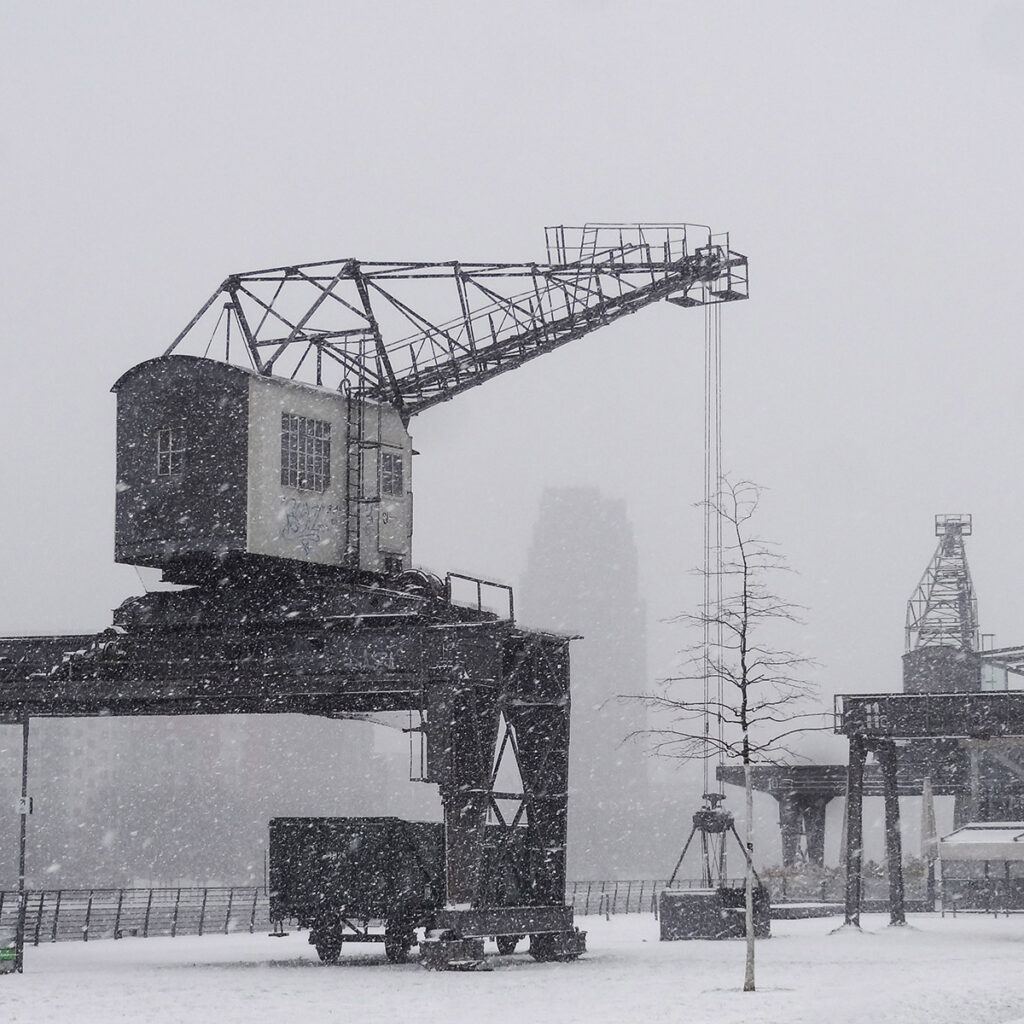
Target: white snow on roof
{"x":990,"y":840}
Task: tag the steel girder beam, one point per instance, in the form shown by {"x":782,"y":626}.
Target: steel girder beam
{"x":941,"y":761}
{"x":931,"y":716}
{"x":326,"y":671}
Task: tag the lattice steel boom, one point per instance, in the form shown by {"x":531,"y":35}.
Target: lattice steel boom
{"x":943,"y":611}
{"x":414,"y":334}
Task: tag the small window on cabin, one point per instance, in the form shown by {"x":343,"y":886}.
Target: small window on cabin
{"x":305,"y":453}
{"x":391,"y":483}
{"x":170,"y":451}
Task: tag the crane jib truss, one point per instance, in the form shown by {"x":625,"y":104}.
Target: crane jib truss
{"x":414,"y":334}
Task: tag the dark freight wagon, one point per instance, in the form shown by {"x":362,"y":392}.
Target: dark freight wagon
{"x":345,"y":877}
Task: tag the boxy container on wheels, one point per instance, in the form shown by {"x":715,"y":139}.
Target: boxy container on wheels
{"x":340,"y":876}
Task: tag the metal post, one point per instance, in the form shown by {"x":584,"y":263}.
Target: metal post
{"x":19,"y":939}
{"x":56,"y":916}
{"x":855,"y":828}
{"x":789,"y":826}
{"x":39,"y":918}
{"x":974,"y":800}
{"x":815,"y":811}
{"x":463,"y":727}
{"x":893,"y":840}
{"x":88,"y":917}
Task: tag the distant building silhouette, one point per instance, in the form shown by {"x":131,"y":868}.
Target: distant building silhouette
{"x":581,"y":578}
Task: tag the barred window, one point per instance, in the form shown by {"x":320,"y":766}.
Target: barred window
{"x":305,"y":453}
{"x":170,"y":451}
{"x":391,"y":482}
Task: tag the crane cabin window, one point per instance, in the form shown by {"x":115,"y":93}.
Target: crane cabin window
{"x":170,"y":451}
{"x":305,"y":453}
{"x":391,"y":483}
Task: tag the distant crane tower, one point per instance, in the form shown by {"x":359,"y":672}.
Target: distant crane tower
{"x":943,"y":611}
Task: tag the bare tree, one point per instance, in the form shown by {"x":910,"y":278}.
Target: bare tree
{"x":737,"y":695}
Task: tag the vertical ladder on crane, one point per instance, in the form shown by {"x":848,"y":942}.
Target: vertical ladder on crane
{"x":353,"y":476}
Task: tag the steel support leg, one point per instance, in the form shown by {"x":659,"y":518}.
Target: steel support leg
{"x":814,"y":811}
{"x":855,"y":828}
{"x":789,"y":826}
{"x":462,"y":729}
{"x":974,"y":800}
{"x":540,"y":716}
{"x":543,"y":738}
{"x":887,"y":756}
{"x":19,"y":938}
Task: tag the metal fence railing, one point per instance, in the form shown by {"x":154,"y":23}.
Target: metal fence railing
{"x":56,"y":914}
{"x":624,"y":896}
{"x":613,"y":897}
{"x":52,"y":915}
{"x":103,"y":913}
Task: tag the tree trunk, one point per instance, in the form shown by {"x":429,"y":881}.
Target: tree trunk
{"x":748,"y":979}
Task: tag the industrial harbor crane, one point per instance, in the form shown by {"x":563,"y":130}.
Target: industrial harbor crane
{"x":265,"y":459}
{"x":348,"y":352}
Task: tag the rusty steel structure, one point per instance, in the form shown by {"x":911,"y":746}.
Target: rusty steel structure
{"x":265,"y":634}
{"x":271,"y":641}
{"x":413,"y":334}
{"x":804,"y":791}
{"x":959,"y":722}
{"x":943,"y":658}
{"x":891,"y":726}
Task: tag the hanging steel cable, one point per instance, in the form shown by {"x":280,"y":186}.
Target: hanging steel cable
{"x":712,"y":597}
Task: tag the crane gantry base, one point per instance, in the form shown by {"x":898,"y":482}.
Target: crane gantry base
{"x":291,"y":639}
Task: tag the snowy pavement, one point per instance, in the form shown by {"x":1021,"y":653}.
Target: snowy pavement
{"x":937,"y":971}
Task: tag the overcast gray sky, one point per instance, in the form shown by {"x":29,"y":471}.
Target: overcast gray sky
{"x":866,"y":156}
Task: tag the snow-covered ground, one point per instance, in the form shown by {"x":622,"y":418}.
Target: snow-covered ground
{"x":937,"y":971}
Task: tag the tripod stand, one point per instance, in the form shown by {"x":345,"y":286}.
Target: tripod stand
{"x":714,"y":824}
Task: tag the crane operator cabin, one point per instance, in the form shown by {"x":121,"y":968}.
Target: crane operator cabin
{"x":215,"y":459}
